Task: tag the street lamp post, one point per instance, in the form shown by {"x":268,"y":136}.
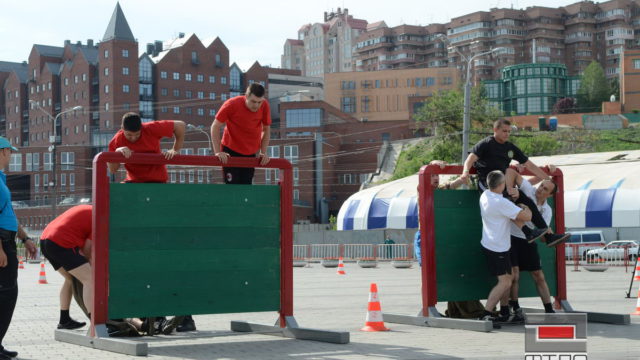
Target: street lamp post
{"x":52,"y":148}
{"x":466,"y":122}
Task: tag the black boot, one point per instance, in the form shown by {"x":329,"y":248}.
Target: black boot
{"x":187,"y":324}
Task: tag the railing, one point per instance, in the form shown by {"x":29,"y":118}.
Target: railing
{"x":388,"y":252}
{"x":619,"y":256}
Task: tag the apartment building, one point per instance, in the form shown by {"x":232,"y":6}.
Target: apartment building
{"x":573,"y":35}
{"x":325,"y":47}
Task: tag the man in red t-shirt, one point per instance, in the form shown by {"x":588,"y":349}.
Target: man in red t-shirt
{"x":134,"y":136}
{"x":61,"y":243}
{"x":247,"y":121}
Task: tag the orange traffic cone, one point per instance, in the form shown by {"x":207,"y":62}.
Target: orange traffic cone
{"x":43,"y":275}
{"x":374,"y":320}
{"x":20,"y":264}
{"x":637,"y":312}
{"x":341,"y":267}
{"x":637,"y":274}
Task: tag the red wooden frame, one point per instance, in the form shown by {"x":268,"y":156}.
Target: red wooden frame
{"x":100,"y":235}
{"x":426,"y":219}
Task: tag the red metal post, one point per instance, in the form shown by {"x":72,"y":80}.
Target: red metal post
{"x":561,"y":270}
{"x":286,"y":246}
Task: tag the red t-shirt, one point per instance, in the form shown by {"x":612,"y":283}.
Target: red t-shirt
{"x":243,"y":130}
{"x":71,"y":229}
{"x":148,"y":142}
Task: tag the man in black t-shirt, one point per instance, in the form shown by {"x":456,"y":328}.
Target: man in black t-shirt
{"x":495,"y":153}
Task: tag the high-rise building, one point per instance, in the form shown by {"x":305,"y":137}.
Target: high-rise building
{"x":324,"y":47}
{"x":573,"y":35}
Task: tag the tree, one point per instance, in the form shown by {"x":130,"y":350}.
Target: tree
{"x":444,"y":110}
{"x":564,"y":106}
{"x":614,"y":83}
{"x":594,"y":88}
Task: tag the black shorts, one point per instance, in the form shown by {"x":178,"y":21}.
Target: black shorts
{"x":498,"y":263}
{"x":524,"y":255}
{"x":237,"y":175}
{"x":58,"y":256}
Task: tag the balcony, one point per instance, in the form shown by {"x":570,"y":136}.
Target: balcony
{"x":95,"y":115}
{"x":57,"y":107}
{"x":95,"y":98}
{"x":95,"y":81}
{"x":146,"y":114}
{"x":146,"y":97}
{"x":25,"y":114}
{"x":195,"y":61}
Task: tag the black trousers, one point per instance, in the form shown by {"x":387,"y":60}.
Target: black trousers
{"x":237,"y":175}
{"x":8,"y":281}
{"x":536,"y":217}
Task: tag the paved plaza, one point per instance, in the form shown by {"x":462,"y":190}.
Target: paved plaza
{"x":325,"y":300}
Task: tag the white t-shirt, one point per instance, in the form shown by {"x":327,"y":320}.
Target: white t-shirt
{"x":497,"y":212}
{"x":545,"y":209}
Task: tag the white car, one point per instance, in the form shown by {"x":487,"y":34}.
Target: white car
{"x":615,"y":250}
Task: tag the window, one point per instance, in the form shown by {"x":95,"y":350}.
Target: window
{"x":204,"y":151}
{"x":188,"y":94}
{"x":164,"y":92}
{"x":125,"y":88}
{"x":296,"y":194}
{"x":182,"y":176}
{"x":187,"y":77}
{"x":106,"y":73}
{"x":176,"y":92}
{"x":200,"y":94}
{"x":223,"y":96}
{"x":125,"y":71}
{"x":106,"y":54}
{"x":212,"y":112}
{"x":46,"y":160}
{"x":45,"y":181}
{"x":271,"y":176}
{"x":200,"y":112}
{"x":200,"y":176}
{"x":36,"y":183}
{"x":223,"y":80}
{"x":63,"y":180}
{"x":303,"y":117}
{"x":67,"y":159}
{"x":36,"y":162}
{"x":273,"y":151}
{"x":163,"y":74}
{"x":176,"y":76}
{"x":191,"y":176}
{"x":15,"y":163}
{"x":176,"y":109}
{"x":296,"y":176}
{"x":636,"y":64}
{"x":106,"y":89}
{"x":348,"y":104}
{"x":66,"y":81}
{"x":187,"y":111}
{"x":200,"y":78}
{"x":212,"y":96}
{"x":218,"y":60}
{"x":125,"y":53}
{"x":72,"y":182}
{"x":29,"y":162}
{"x":172,"y":176}
{"x":212,"y":79}
{"x":75,"y":80}
{"x":291,"y":153}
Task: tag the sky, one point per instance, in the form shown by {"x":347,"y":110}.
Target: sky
{"x":252,"y":30}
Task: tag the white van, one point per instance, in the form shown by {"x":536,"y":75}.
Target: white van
{"x":583,"y":241}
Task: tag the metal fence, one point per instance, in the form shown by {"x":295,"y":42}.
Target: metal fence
{"x":353,"y":251}
{"x":618,"y":256}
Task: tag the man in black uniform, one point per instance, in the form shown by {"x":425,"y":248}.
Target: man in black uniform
{"x":495,"y":153}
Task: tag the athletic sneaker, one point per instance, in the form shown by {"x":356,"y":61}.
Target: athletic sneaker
{"x":536,"y":234}
{"x":187,"y":324}
{"x":491,"y":318}
{"x":517,"y":317}
{"x":556,"y":239}
{"x":168,"y":326}
{"x":71,"y":324}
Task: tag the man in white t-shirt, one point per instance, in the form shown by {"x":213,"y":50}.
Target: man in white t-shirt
{"x":524,"y":255}
{"x":497,"y":214}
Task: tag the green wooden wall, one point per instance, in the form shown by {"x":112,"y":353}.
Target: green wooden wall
{"x":177,"y":249}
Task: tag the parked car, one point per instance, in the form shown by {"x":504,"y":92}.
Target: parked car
{"x":584,"y":241}
{"x":615,"y":250}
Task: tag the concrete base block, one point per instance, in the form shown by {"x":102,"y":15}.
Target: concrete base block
{"x":121,"y":346}
{"x":439,"y":322}
{"x":294,"y":332}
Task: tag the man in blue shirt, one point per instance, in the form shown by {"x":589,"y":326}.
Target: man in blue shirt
{"x":8,"y":254}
